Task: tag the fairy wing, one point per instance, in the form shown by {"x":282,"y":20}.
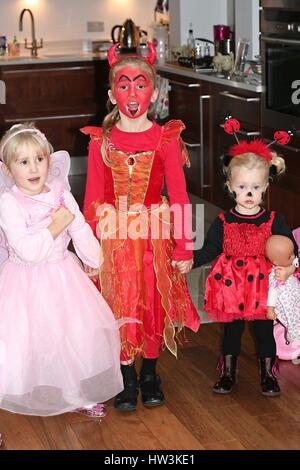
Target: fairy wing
{"x":5,"y":183}
{"x":58,"y":172}
{"x":59,"y":168}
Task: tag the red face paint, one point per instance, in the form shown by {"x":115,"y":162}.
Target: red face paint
{"x":132,"y":90}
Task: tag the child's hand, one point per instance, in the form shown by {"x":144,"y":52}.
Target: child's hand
{"x":183,"y":266}
{"x":283,"y":273}
{"x":271,"y":315}
{"x":93,"y":273}
{"x":62,"y":217}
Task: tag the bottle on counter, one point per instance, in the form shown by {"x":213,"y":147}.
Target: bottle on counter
{"x":191,"y":42}
{"x":2,"y":45}
{"x":14,"y":47}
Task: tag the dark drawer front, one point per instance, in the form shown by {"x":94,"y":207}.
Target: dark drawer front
{"x":244,"y":107}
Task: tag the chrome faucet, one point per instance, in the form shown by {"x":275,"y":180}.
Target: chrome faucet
{"x":33,"y":46}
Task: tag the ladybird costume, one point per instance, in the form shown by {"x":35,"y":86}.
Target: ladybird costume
{"x":237,"y":285}
{"x":123,"y":192}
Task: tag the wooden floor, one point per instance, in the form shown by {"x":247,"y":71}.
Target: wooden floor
{"x":193,"y":416}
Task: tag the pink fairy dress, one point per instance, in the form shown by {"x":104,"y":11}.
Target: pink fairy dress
{"x":59,"y":341}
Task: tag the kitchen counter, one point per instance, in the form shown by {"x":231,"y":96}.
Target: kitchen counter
{"x":209,"y":76}
{"x":52,"y":57}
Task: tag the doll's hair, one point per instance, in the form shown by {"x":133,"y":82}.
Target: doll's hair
{"x":20,"y":135}
{"x":249,"y":160}
{"x":113,"y":115}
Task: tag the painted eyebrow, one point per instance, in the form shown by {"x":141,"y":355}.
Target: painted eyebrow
{"x":129,"y":79}
{"x":124,"y":76}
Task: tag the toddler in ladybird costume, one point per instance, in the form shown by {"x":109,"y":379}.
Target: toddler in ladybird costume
{"x":142,"y":275}
{"x":59,"y":341}
{"x":237,"y":285}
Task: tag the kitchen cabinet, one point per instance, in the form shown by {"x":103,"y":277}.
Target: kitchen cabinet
{"x":59,"y":97}
{"x":244,"y":106}
{"x":190,"y":100}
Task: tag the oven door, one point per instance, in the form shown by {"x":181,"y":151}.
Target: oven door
{"x":281,"y":79}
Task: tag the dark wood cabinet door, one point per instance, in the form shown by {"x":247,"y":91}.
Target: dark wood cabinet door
{"x":59,"y":97}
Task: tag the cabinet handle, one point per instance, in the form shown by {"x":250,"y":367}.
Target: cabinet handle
{"x":185,"y":85}
{"x":245,"y":133}
{"x":239,"y":98}
{"x":288,"y":147}
{"x":280,"y":40}
{"x":203,"y":185}
{"x":47,"y":118}
{"x":190,"y":145}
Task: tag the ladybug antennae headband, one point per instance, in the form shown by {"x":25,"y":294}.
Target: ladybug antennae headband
{"x":256,"y":146}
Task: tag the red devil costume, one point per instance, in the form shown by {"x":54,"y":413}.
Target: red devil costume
{"x":137,"y":279}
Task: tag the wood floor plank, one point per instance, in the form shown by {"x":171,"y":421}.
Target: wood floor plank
{"x":169,"y":430}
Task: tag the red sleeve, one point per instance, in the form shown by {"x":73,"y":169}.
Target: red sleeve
{"x":179,"y":200}
{"x":94,"y":190}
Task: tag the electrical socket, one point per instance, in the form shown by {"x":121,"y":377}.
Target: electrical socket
{"x":95,"y":26}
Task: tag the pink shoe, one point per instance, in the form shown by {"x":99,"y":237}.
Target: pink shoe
{"x":97,"y":411}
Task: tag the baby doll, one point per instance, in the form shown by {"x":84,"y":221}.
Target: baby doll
{"x":284,"y":297}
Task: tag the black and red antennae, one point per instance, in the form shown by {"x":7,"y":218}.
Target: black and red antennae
{"x":281,"y":137}
{"x":232,"y":126}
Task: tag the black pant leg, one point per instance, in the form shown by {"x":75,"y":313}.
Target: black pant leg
{"x":232,"y":337}
{"x":263,"y":331}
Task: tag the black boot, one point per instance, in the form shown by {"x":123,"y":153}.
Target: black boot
{"x":152,"y":394}
{"x":127,"y":399}
{"x":268,"y":370}
{"x":228,"y":367}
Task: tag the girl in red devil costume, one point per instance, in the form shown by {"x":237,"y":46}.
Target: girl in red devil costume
{"x":237,"y":285}
{"x":145,"y":252}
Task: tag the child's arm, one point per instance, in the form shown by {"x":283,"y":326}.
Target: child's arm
{"x":213,"y":244}
{"x":176,"y":186}
{"x":30,"y":246}
{"x":94,"y":190}
{"x":85,"y":243}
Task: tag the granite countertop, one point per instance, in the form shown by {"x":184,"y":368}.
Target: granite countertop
{"x":44,"y":58}
{"x":209,"y":76}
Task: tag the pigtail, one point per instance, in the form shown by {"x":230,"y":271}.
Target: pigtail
{"x":277,"y":165}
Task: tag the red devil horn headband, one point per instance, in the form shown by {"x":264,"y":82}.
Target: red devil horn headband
{"x":113,"y":59}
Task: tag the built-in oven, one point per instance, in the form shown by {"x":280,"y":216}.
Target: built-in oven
{"x":280,"y":51}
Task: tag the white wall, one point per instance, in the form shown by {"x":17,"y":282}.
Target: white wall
{"x":66,"y":19}
{"x":247,"y":24}
{"x":203,"y":14}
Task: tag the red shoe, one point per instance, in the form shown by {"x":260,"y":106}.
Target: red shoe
{"x":97,"y":411}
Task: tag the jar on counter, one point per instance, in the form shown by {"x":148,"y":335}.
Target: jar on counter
{"x":2,"y":45}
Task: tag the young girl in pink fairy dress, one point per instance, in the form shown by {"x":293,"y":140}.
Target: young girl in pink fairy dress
{"x":59,"y":341}
{"x":142,"y":276}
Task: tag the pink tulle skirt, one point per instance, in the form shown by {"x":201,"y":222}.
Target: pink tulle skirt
{"x":59,"y":341}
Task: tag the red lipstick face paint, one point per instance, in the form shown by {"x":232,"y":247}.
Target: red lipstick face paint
{"x":132,"y":90}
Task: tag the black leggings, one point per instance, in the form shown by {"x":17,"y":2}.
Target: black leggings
{"x":263,"y":332}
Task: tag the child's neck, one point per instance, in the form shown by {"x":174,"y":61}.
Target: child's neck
{"x":139,"y":124}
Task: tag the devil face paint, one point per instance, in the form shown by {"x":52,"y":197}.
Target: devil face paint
{"x":132,"y":91}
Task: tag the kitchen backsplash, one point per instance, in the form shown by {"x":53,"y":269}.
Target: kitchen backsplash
{"x":67,"y":20}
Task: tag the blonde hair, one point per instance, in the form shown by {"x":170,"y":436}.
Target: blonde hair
{"x":18,"y":136}
{"x":114,"y":116}
{"x":252,"y":161}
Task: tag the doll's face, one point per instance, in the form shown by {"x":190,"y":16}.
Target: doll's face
{"x":280,"y":250}
{"x":133,"y":91}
